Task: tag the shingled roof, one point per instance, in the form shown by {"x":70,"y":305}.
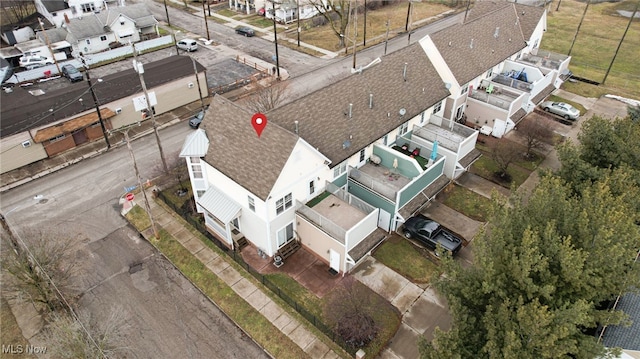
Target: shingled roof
{"x":22,"y":111}
{"x":404,"y":79}
{"x":492,"y":33}
{"x":235,"y":150}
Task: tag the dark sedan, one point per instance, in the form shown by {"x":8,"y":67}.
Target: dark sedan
{"x":246,"y":31}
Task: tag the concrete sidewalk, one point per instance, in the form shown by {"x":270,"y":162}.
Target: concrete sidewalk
{"x":220,"y":266}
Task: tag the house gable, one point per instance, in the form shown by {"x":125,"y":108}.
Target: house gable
{"x":236,"y":151}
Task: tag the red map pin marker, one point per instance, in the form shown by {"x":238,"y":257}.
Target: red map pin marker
{"x":259,"y":122}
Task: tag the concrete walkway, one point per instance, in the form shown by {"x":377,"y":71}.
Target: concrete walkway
{"x":220,"y":266}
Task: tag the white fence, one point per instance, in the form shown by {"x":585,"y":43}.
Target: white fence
{"x":91,"y":59}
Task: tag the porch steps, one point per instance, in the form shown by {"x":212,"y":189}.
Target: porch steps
{"x":288,"y":249}
{"x":238,"y":240}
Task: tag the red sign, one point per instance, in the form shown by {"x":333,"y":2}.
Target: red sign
{"x":129,"y":197}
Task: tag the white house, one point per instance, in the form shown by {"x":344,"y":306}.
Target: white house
{"x":490,"y":64}
{"x":332,"y":178}
{"x":56,"y":11}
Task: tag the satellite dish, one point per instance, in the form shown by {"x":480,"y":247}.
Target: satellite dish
{"x":447,"y":85}
{"x":403,"y":111}
{"x":346,"y":144}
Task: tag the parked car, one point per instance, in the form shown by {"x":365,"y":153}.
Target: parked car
{"x":246,"y":31}
{"x":196,"y":120}
{"x":70,"y":72}
{"x":34,"y":61}
{"x":431,"y":234}
{"x":561,"y":109}
{"x":188,"y":45}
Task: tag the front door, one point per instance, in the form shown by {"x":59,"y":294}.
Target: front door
{"x":384,"y":218}
{"x":334,"y":260}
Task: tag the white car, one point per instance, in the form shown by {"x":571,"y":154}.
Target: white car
{"x":188,"y":45}
{"x":561,"y":109}
{"x":34,"y":61}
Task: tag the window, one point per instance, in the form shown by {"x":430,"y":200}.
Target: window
{"x":312,"y":187}
{"x":437,"y":107}
{"x":200,"y":193}
{"x":57,"y":138}
{"x":284,"y":203}
{"x":88,"y":7}
{"x":103,"y":38}
{"x":362,"y":153}
{"x":403,"y":129}
{"x":339,"y":169}
{"x":422,"y":116}
{"x":88,"y":41}
{"x":285,"y":235}
{"x":490,"y":72}
{"x":459,"y":112}
{"x":235,"y":223}
{"x":196,"y":167}
{"x":465,"y":88}
{"x":252,"y":203}
{"x":385,"y":139}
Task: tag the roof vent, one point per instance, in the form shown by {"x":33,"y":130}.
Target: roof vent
{"x":449,"y":43}
{"x":36,"y":92}
{"x":471,"y":44}
{"x":370,"y":100}
{"x":350,"y":110}
{"x":403,"y":111}
{"x":496,"y":33}
{"x":404,"y":72}
{"x":296,"y":129}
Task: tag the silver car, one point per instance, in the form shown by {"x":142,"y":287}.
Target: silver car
{"x":561,"y":109}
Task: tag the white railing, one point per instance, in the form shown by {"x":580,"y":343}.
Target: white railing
{"x":322,"y":222}
{"x":372,"y":183}
{"x":349,"y":198}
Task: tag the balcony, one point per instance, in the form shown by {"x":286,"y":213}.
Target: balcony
{"x":380,"y":179}
{"x":495,"y":94}
{"x":546,"y":59}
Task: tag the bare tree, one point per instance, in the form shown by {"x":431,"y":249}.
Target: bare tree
{"x":349,"y":310}
{"x":504,"y":152}
{"x":336,"y":12}
{"x":40,"y":272}
{"x":87,"y":336}
{"x":18,"y":9}
{"x":534,"y":134}
{"x":268,"y":98}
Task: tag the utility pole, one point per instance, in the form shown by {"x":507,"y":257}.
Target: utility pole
{"x":195,"y":71}
{"x":46,"y":37}
{"x":406,"y":26}
{"x":355,"y":33}
{"x":275,"y":36}
{"x":140,"y":70}
{"x":298,"y":16}
{"x":206,"y":24}
{"x":364,"y":41}
{"x":167,"y":12}
{"x":558,"y":8}
{"x":144,"y":193}
{"x":386,"y":38}
{"x":578,"y":29}
{"x":620,"y":43}
{"x":95,"y":102}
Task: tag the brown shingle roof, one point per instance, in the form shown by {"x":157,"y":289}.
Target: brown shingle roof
{"x":323,"y":115}
{"x":236,"y":151}
{"x":485,"y":40}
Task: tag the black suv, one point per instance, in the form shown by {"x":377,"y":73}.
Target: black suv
{"x":70,"y":72}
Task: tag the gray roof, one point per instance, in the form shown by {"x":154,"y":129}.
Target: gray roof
{"x":55,"y":5}
{"x":626,"y":337}
{"x":84,"y":28}
{"x":323,"y":116}
{"x":486,"y":38}
{"x":54,"y":35}
{"x":139,"y":13}
{"x":235,"y":149}
{"x":21,"y":111}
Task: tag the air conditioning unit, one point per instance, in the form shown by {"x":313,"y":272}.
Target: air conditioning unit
{"x":26,"y":144}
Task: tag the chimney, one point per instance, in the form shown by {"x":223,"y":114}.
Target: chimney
{"x":66,"y":18}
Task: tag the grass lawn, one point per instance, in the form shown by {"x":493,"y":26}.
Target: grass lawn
{"x":466,"y":202}
{"x":318,"y":199}
{"x":396,"y":13}
{"x":10,"y":333}
{"x":595,"y":46}
{"x":406,"y":259}
{"x":485,"y":167}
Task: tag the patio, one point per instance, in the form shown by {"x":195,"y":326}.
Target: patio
{"x":383,"y":180}
{"x":303,"y":266}
{"x":339,"y":212}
